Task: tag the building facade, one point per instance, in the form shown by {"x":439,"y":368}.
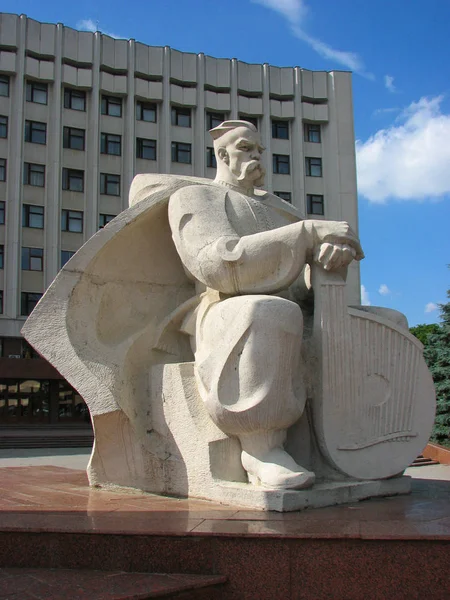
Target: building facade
{"x":81,"y":113}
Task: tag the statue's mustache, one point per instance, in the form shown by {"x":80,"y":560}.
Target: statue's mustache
{"x":249,"y":167}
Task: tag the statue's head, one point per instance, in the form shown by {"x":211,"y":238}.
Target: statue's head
{"x":238,"y":149}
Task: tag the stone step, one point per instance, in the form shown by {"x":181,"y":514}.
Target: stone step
{"x":421,"y":461}
{"x":59,"y":584}
{"x":62,"y":441}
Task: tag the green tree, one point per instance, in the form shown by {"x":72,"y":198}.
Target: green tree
{"x":423,"y":331}
{"x":437,"y":356}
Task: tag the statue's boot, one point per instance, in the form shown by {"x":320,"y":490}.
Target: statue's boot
{"x":276,"y":470}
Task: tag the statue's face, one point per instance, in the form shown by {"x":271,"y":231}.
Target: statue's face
{"x":243,"y":156}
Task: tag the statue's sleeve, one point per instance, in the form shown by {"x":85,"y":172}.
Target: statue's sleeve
{"x":216,"y":255}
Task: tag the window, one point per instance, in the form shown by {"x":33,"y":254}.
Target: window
{"x":1,"y":301}
{"x":109,"y":184}
{"x":111,"y":144}
{"x":72,"y":220}
{"x":312,"y":133}
{"x":281,"y":164}
{"x":284,"y":196}
{"x":181,"y":152}
{"x":32,"y":259}
{"x":2,"y":212}
{"x":252,"y":120}
{"x":28,"y":301}
{"x":2,"y":256}
{"x":73,"y":138}
{"x":146,"y":111}
{"x":4,"y":85}
{"x":280,"y":129}
{"x":313,"y":167}
{"x":315,"y":205}
{"x":66,"y":255}
{"x":181,"y":116}
{"x":3,"y":127}
{"x":33,"y":216}
{"x":146,"y":149}
{"x":74,"y":99}
{"x":34,"y":174}
{"x":111,"y":106}
{"x":2,"y":169}
{"x":35,"y":132}
{"x":37,"y":92}
{"x":214,"y":119}
{"x":104,"y":220}
{"x":73,"y":180}
{"x":211,"y":158}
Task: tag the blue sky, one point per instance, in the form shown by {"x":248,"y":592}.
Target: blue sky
{"x":398,"y":51}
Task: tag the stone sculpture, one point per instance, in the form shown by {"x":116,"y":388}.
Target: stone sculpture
{"x":189,"y":326}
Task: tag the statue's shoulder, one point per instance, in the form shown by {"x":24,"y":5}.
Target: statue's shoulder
{"x":154,"y":184}
{"x":280,"y":205}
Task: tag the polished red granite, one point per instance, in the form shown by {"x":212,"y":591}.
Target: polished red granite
{"x":55,"y":499}
{"x":392,"y":548}
{"x":75,"y":584}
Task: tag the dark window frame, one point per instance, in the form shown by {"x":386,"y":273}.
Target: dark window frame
{"x":69,"y":217}
{"x":104,"y":219}
{"x":280,"y":165}
{"x":2,"y":212}
{"x":143,"y":144}
{"x":142,"y":108}
{"x":178,"y":114}
{"x":108,"y":181}
{"x":70,"y":177}
{"x":31,"y":212}
{"x":4,"y":127}
{"x":3,"y":168}
{"x":33,"y":90}
{"x":178,"y":152}
{"x":29,"y":255}
{"x":286,"y":196}
{"x":31,"y":171}
{"x":211,"y":160}
{"x":70,"y":253}
{"x":315,"y":201}
{"x":107,"y":143}
{"x":70,"y":94}
{"x":72,"y":137}
{"x":280,"y":129}
{"x":2,"y":256}
{"x":28,"y":301}
{"x":32,"y":129}
{"x":107,"y":102}
{"x":313,"y":166}
{"x":214,"y":119}
{"x":310,"y":131}
{"x":4,"y":81}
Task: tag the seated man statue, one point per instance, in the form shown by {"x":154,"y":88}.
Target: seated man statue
{"x":246,"y":332}
{"x":187,"y":326}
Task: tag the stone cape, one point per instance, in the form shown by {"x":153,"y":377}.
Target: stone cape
{"x":110,"y":323}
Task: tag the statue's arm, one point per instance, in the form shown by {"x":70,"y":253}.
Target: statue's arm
{"x":214,"y":254}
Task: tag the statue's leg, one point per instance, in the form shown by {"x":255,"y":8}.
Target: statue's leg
{"x":249,"y":376}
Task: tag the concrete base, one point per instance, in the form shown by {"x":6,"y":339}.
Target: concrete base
{"x":321,"y":495}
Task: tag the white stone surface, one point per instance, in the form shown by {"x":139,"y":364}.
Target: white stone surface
{"x":180,"y":324}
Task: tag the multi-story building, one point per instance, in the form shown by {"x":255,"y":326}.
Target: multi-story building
{"x":81,"y":113}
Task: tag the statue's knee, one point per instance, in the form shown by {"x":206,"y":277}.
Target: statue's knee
{"x":272,"y":310}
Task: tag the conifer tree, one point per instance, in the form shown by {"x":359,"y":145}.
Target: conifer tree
{"x":437,"y":356}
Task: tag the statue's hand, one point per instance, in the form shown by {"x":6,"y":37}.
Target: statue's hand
{"x":337,"y":234}
{"x":334,"y":256}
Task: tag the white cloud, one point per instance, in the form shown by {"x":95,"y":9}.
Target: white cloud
{"x":365,"y":300}
{"x":295,"y":11}
{"x":431,"y":307}
{"x":389,"y":83}
{"x":410,"y":159}
{"x":91,"y":25}
{"x":385,"y":111}
{"x":384,"y":290}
